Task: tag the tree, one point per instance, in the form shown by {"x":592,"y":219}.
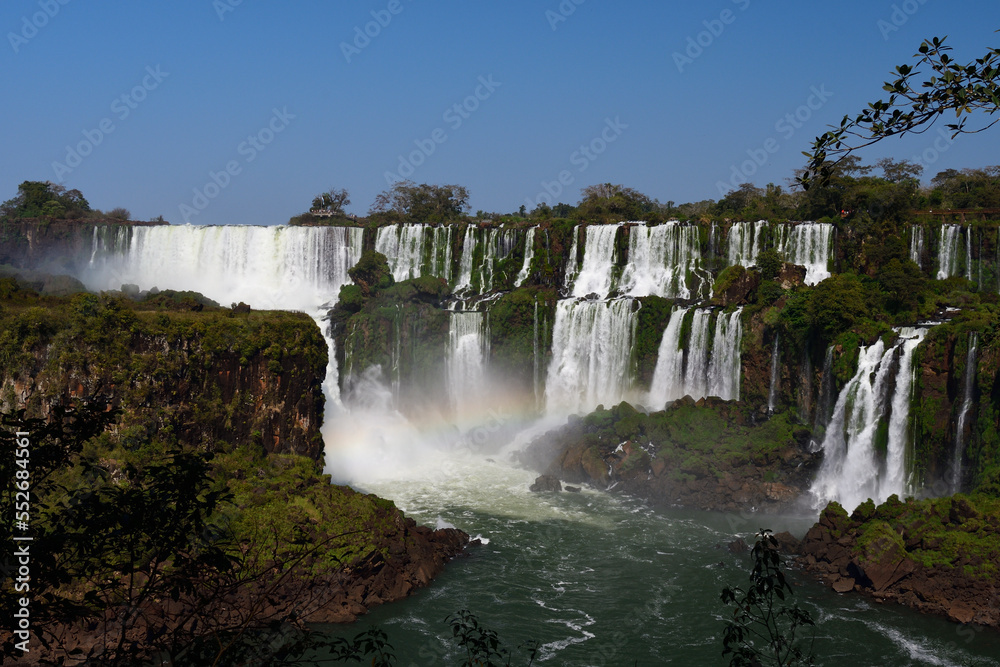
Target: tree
{"x":607,"y":202}
{"x":760,"y":633}
{"x":37,"y":199}
{"x":914,"y":107}
{"x":333,"y":200}
{"x":410,"y":202}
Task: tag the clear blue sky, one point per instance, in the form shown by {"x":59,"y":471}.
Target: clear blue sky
{"x":220,"y":81}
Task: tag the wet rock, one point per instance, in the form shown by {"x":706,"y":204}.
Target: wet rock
{"x":546,"y":483}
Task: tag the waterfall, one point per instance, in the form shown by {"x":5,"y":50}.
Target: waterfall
{"x":536,"y":377}
{"x":403,"y":247}
{"x":572,"y":266}
{"x":668,"y":376}
{"x":591,"y":355}
{"x":948,"y":251}
{"x":968,"y":393}
{"x":469,"y":242}
{"x":285,"y":268}
{"x":529,"y":254}
{"x":724,"y":368}
{"x":660,"y":259}
{"x":824,"y":403}
{"x":698,"y":373}
{"x":853,"y":469}
{"x":596,"y":271}
{"x":968,"y":254}
{"x":441,"y":252}
{"x":809,"y":244}
{"x":745,"y":242}
{"x":498,"y":246}
{"x":899,"y":448}
{"x":917,"y":244}
{"x":466,"y":361}
{"x":772,"y":393}
{"x":288,"y":268}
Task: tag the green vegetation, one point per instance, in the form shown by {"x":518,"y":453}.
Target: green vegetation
{"x":46,"y":201}
{"x":959,"y":532}
{"x":963,"y":88}
{"x":762,"y":631}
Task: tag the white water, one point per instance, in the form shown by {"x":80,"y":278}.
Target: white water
{"x":595,"y":274}
{"x":772,"y":392}
{"x":469,"y":242}
{"x":468,"y":352}
{"x":917,"y":244}
{"x":660,"y":259}
{"x":529,"y":254}
{"x":403,"y":247}
{"x":697,"y":373}
{"x":852,"y":469}
{"x":746,"y":242}
{"x":724,"y":368}
{"x":591,"y":355}
{"x":948,"y":240}
{"x":968,"y":387}
{"x":808,"y":244}
{"x":284,"y":268}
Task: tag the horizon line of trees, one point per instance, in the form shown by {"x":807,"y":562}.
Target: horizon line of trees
{"x":886,"y":190}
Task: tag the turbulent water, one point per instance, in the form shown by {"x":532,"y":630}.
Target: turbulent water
{"x":597,"y":579}
{"x":877,"y":398}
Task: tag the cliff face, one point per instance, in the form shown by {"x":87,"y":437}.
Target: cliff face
{"x":60,"y":246}
{"x":204,"y":379}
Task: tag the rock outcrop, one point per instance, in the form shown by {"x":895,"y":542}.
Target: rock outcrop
{"x":937,"y":556}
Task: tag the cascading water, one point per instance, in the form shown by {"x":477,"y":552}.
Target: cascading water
{"x":529,"y":254}
{"x":469,"y":241}
{"x":772,"y":392}
{"x":724,"y":367}
{"x":809,"y":244}
{"x":746,"y":242}
{"x":968,"y":253}
{"x":948,"y":240}
{"x":403,"y":247}
{"x":660,"y":259}
{"x":284,"y":268}
{"x":968,"y":394}
{"x":852,"y":470}
{"x":591,"y":355}
{"x":596,"y":271}
{"x":824,"y":403}
{"x":466,"y":359}
{"x":698,"y":373}
{"x":917,"y":244}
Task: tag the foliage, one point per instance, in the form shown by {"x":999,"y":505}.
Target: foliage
{"x":606,"y":202}
{"x":768,"y":263}
{"x":44,"y":199}
{"x":371,"y":273}
{"x":482,"y":645}
{"x":760,"y":632}
{"x":408,"y":202}
{"x":332,"y":201}
{"x":913,"y":107}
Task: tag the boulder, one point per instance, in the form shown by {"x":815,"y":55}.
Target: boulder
{"x":546,"y":483}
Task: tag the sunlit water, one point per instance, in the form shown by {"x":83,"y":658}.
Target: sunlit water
{"x":601,"y":579}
